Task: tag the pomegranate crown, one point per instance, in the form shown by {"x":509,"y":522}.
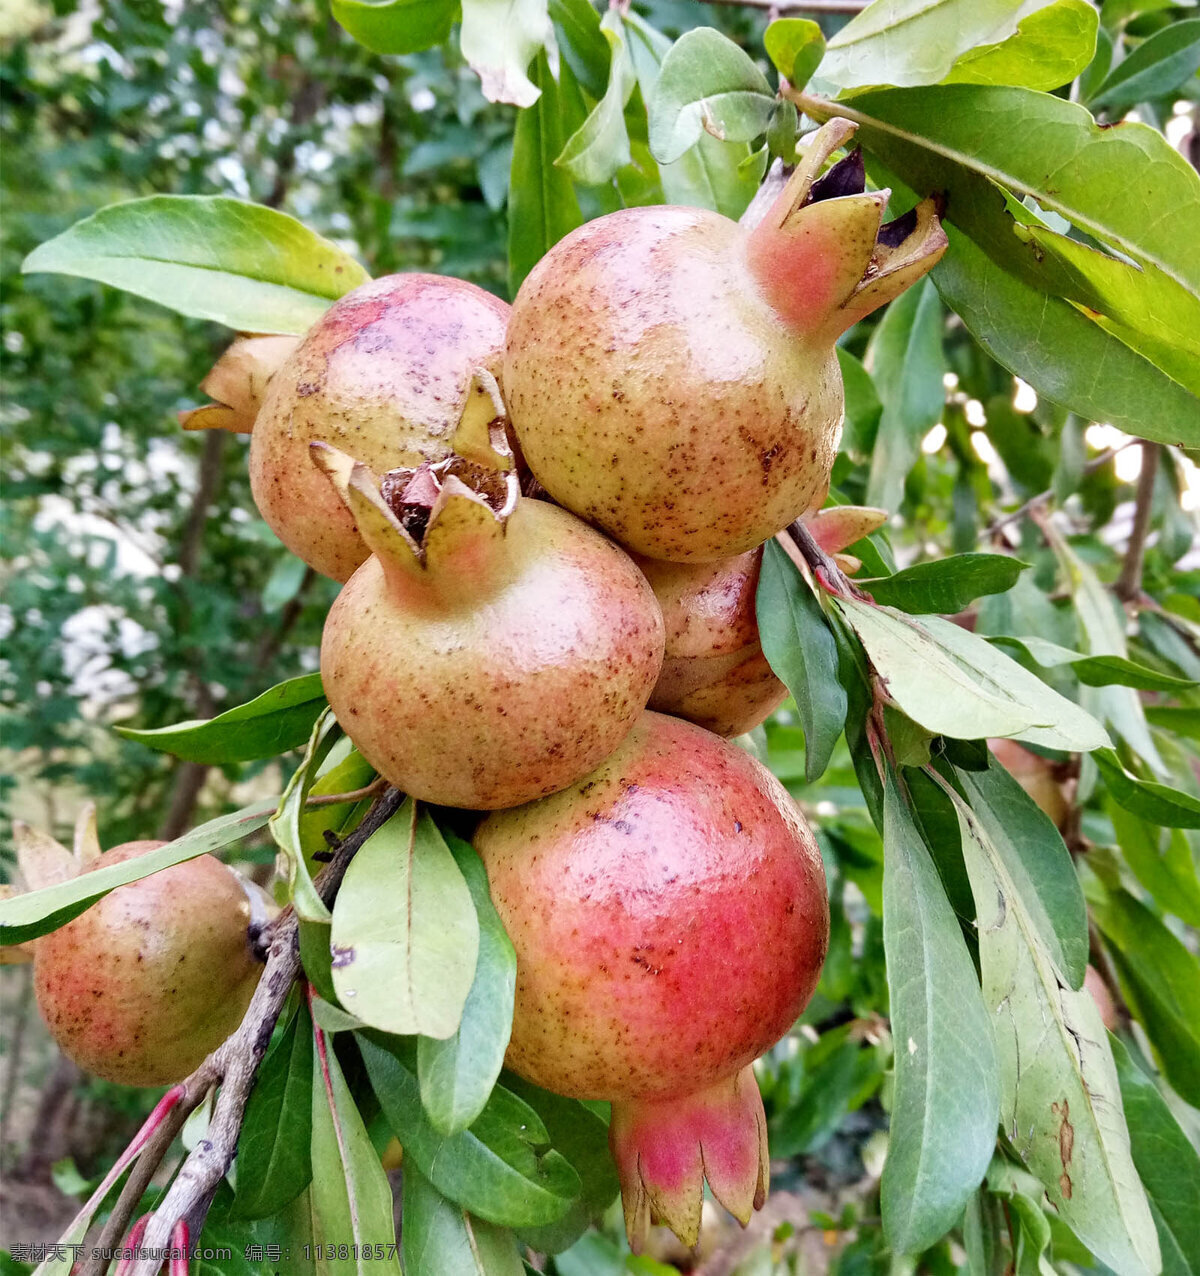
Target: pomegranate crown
{"x":419,"y":518}
{"x":822,"y":253}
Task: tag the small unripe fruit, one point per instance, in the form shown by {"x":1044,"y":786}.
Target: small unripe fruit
{"x":152,"y":977}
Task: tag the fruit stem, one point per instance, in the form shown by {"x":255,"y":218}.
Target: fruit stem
{"x":830,"y":576}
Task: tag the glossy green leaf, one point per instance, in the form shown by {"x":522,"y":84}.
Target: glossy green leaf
{"x":1161,"y":981}
{"x":1158,"y":803}
{"x":351,"y":1197}
{"x":273,"y":1159}
{"x":911,"y":42}
{"x":499,"y":1169}
{"x":442,"y":1239}
{"x":795,"y":47}
{"x":542,"y":206}
{"x":905,"y":358}
{"x":1036,"y":862}
{"x":396,"y":26}
{"x":1178,"y":721}
{"x":600,"y":146}
{"x":457,"y":1073}
{"x":707,"y":84}
{"x":955,"y":683}
{"x":249,"y":267}
{"x":1095,"y":671}
{"x":947,"y":584}
{"x":25,"y":917}
{"x":499,"y":40}
{"x":1156,"y":68}
{"x":405,"y":934}
{"x":1060,"y":1099}
{"x":276,"y":722}
{"x":863,"y":407}
{"x":340,"y":819}
{"x":1168,"y":1164}
{"x":801,"y":649}
{"x":946,"y":1103}
{"x":1049,"y":48}
{"x":582,"y":44}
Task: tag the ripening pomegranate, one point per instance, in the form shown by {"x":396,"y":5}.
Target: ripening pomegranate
{"x":670,"y":920}
{"x":671,"y":374}
{"x":714,"y":672}
{"x":493,"y":649}
{"x":382,"y":375}
{"x":154,"y":976}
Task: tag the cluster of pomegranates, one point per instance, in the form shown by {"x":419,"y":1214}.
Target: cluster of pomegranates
{"x":549,"y":523}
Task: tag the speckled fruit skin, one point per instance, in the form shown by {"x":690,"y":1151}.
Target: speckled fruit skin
{"x":670,"y":919}
{"x":505,"y":678}
{"x":383,"y":375}
{"x":655,"y":391}
{"x":149,"y":980}
{"x":714,"y":672}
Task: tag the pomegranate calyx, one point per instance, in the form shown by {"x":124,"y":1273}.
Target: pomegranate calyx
{"x":665,"y":1149}
{"x":237,"y":383}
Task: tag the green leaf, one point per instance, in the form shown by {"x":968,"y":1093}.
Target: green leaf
{"x":1049,"y":48}
{"x":1150,"y":801}
{"x":863,"y":408}
{"x":351,"y":1198}
{"x":1036,"y":862}
{"x":801,"y":649}
{"x":707,"y":84}
{"x":600,"y":146}
{"x":273,"y":1159}
{"x":276,"y":722}
{"x":1169,"y":873}
{"x":955,"y":683}
{"x":405,"y":935}
{"x":25,"y":917}
{"x":251,"y":268}
{"x":581,"y":43}
{"x":1094,"y":671}
{"x":947,"y":585}
{"x":795,"y":47}
{"x":458,"y":1072}
{"x":1060,"y":1100}
{"x":499,"y":1169}
{"x":1159,"y":66}
{"x":1064,"y":355}
{"x":947,"y":1099}
{"x":542,"y":206}
{"x":499,"y":39}
{"x":905,"y":358}
{"x":442,"y":1239}
{"x":911,"y":42}
{"x":1168,"y":1164}
{"x":396,"y":26}
{"x":1161,"y":981}
{"x":352,"y":773}
{"x":1177,"y":721}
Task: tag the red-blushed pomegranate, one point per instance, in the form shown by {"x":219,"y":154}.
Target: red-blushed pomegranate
{"x":671,"y":374}
{"x":670,"y":920}
{"x":493,"y":649}
{"x":383,"y":375}
{"x":714,"y":672}
{"x":155,"y":975}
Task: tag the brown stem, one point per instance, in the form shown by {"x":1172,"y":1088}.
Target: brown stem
{"x":273,"y":640}
{"x":1044,"y":498}
{"x":185,"y":793}
{"x":235,"y":1063}
{"x":355,"y":795}
{"x":1129,"y":583}
{"x":827,"y":573}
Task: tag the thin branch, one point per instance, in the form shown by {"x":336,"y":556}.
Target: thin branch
{"x":828,"y":574}
{"x":355,"y":795}
{"x":1129,"y":583}
{"x":235,"y":1063}
{"x":1044,"y":498}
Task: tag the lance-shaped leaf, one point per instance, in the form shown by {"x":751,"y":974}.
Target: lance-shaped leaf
{"x":947,"y":585}
{"x":457,"y":1073}
{"x":442,"y":1239}
{"x":405,"y":934}
{"x":1060,"y":1100}
{"x":249,"y":267}
{"x":275,"y":722}
{"x":396,"y":26}
{"x":947,"y":1098}
{"x":1094,"y":671}
{"x":1159,"y":66}
{"x":499,"y":40}
{"x":1049,"y":48}
{"x":25,"y":917}
{"x":351,"y":1197}
{"x":1158,"y":803}
{"x":955,"y":683}
{"x":600,"y":146}
{"x":801,"y":649}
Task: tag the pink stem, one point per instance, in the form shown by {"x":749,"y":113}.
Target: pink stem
{"x":180,"y":1240}
{"x":131,"y":1242}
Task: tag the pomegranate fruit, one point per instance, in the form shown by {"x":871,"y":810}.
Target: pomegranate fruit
{"x":670,"y":920}
{"x":671,"y":374}
{"x":154,"y":976}
{"x":714,"y":672}
{"x":382,"y":375}
{"x":493,"y":649}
